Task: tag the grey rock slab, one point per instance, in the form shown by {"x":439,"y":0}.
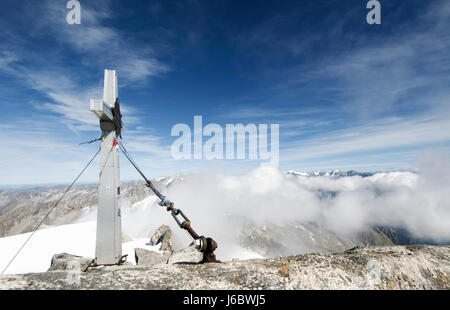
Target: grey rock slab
{"x":64,"y":261}
{"x":149,"y":258}
{"x":188,"y":255}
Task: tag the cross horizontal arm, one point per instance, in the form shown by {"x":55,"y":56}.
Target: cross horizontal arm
{"x":103,"y":111}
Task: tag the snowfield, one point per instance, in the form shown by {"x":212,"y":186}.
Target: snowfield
{"x":77,"y":239}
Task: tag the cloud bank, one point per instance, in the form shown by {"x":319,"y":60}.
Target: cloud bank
{"x":219,"y":205}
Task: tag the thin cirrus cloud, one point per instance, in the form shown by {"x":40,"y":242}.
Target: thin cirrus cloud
{"x":388,"y":93}
{"x":99,"y":45}
{"x":65,"y":87}
{"x":386,"y":135}
{"x":384,"y":93}
{"x":104,"y":45}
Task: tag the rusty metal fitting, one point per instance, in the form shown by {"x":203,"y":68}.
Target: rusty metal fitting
{"x":123,"y":259}
{"x":201,"y":244}
{"x":185,"y":224}
{"x":170,"y":207}
{"x":208,"y":254}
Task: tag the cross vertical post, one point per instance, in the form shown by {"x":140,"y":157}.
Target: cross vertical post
{"x":108,"y":249}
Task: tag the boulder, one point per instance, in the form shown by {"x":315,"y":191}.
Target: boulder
{"x":126,"y":238}
{"x":189,"y":255}
{"x":163,"y":236}
{"x":149,"y":258}
{"x":64,"y":261}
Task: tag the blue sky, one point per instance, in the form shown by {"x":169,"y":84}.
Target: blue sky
{"x":347,"y":95}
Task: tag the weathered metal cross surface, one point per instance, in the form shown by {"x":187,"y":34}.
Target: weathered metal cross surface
{"x":108,"y":250}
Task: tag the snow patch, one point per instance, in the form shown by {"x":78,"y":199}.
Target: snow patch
{"x":77,"y":239}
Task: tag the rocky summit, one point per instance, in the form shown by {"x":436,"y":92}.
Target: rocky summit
{"x":371,"y":267}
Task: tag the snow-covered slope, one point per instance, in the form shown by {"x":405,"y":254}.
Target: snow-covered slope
{"x":77,"y":239}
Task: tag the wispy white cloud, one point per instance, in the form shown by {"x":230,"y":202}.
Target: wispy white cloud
{"x":66,"y":97}
{"x":385,"y":134}
{"x":406,"y":71}
{"x":6,"y":59}
{"x":141,"y":141}
{"x":258,"y":112}
{"x":99,"y":46}
{"x":34,"y":152}
{"x":385,"y":93}
{"x":103,"y":45}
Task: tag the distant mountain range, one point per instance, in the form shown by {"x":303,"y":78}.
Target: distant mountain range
{"x":338,"y":173}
